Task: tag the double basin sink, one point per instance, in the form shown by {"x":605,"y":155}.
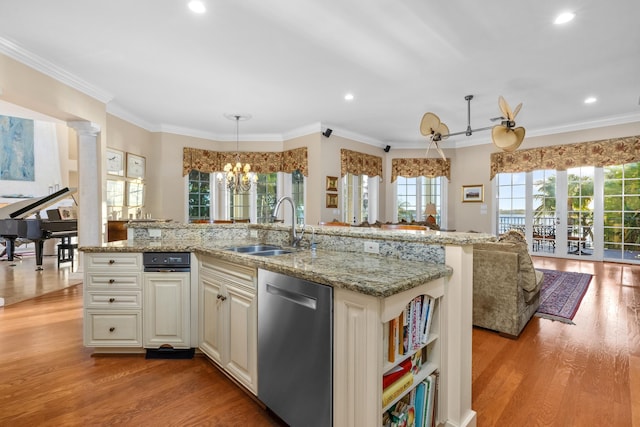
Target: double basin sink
{"x":260,"y":250}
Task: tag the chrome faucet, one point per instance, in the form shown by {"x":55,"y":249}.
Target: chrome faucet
{"x":295,"y":239}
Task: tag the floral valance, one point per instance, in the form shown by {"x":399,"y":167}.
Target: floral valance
{"x":359,"y":163}
{"x":411,"y":168}
{"x":606,"y":152}
{"x":261,"y":162}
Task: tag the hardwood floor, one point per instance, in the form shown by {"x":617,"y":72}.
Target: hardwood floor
{"x":19,"y":279}
{"x":554,"y":374}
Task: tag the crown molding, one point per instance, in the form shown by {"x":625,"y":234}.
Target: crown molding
{"x":15,"y":51}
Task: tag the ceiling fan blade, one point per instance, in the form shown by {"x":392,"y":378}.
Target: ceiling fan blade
{"x":429,"y":124}
{"x":503,"y":137}
{"x":443,"y":130}
{"x":441,"y":152}
{"x":516,"y":111}
{"x":504,"y":107}
{"x":507,"y":139}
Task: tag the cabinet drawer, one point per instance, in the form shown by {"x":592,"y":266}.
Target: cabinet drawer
{"x":113,"y":299}
{"x":113,"y":280}
{"x":113,"y":328}
{"x":113,"y":261}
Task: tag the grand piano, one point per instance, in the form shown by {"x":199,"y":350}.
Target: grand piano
{"x":16,"y":224}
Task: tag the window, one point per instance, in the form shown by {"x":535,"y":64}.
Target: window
{"x":199,"y":196}
{"x":210,"y":199}
{"x":267,"y":196}
{"x":413,"y":196}
{"x":359,"y":198}
{"x":511,"y":201}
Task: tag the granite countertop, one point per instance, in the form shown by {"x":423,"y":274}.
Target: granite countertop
{"x":368,"y":274}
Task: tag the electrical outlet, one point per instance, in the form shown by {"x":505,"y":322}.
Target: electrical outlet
{"x":155,"y":232}
{"x":253,"y":234}
{"x":371,"y":247}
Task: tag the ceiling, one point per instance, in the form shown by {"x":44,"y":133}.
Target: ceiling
{"x":289,"y":63}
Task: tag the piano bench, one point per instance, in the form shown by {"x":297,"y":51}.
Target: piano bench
{"x":66,"y":252}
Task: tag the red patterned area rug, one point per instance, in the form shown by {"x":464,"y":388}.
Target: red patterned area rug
{"x":561,"y":294}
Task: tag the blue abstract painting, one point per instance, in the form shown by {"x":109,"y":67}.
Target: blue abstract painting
{"x":16,"y":149}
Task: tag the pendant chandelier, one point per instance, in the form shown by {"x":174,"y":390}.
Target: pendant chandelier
{"x":238,"y":178}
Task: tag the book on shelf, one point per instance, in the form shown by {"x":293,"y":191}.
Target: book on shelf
{"x":391,"y":353}
{"x":430,"y":406}
{"x":396,"y":373}
{"x":397,"y":388}
{"x":402,"y":330}
{"x":427,"y":322}
{"x":421,"y":394}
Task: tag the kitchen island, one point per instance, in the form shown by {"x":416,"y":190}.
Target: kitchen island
{"x":369,"y":291}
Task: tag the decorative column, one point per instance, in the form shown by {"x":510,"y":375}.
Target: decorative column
{"x":89,"y":183}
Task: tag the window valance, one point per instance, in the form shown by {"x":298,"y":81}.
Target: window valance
{"x":412,"y":168}
{"x":359,"y":163}
{"x":605,"y":152}
{"x":261,"y":162}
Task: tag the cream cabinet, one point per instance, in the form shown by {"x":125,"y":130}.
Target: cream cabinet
{"x":228,"y":318}
{"x":166,"y":310}
{"x":113,"y":300}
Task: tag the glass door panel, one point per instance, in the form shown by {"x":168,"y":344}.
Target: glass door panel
{"x":580,"y":210}
{"x":544,"y":212}
{"x":622,"y":212}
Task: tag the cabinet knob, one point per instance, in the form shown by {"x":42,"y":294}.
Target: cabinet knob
{"x":112,"y":261}
{"x":112,"y":280}
{"x":111,"y":329}
{"x":112,"y":299}
{"x":221,"y":297}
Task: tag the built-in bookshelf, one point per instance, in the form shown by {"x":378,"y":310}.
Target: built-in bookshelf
{"x":411,"y":355}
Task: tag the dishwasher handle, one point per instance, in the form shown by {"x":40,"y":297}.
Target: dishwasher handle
{"x":294,"y":297}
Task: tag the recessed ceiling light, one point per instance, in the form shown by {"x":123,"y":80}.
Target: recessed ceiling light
{"x":197,"y":6}
{"x":564,"y":17}
{"x":590,"y":100}
{"x":348,"y":97}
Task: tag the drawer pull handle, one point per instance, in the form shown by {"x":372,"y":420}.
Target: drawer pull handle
{"x":112,"y":261}
{"x":111,"y":329}
{"x":112,"y":280}
{"x":112,"y":299}
{"x":221,"y":297}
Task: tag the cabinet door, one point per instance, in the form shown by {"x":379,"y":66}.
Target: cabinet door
{"x":243,"y":338}
{"x":166,"y":310}
{"x":211,"y":315}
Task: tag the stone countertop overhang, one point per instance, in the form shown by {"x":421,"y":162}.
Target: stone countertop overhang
{"x":363,"y":273}
{"x":375,"y":275}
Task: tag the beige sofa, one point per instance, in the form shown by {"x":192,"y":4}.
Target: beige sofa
{"x":506,"y":287}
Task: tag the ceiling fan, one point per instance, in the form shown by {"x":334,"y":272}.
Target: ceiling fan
{"x":505,"y":135}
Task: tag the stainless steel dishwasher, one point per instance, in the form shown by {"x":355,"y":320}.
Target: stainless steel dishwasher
{"x":295,"y":349}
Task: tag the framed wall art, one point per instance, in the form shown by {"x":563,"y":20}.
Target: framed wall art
{"x":115,"y":162}
{"x":332,"y":200}
{"x":136,"y":166}
{"x":472,"y":193}
{"x":332,"y":183}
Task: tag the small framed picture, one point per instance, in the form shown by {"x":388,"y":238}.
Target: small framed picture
{"x":332,"y":183}
{"x":68,"y":212}
{"x":332,"y":200}
{"x":136,"y":166}
{"x":115,"y":162}
{"x":473,"y":193}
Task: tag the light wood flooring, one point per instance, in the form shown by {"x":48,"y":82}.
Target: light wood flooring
{"x":554,"y":374}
